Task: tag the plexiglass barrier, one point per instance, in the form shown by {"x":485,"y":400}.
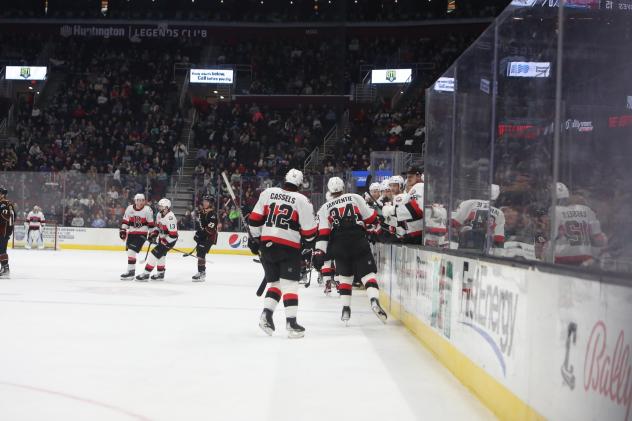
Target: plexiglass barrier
{"x":529,"y":138}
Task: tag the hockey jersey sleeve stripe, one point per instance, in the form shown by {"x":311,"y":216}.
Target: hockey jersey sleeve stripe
{"x":255,"y":217}
{"x":308,"y":233}
{"x":416,"y":212}
{"x":371,"y":218}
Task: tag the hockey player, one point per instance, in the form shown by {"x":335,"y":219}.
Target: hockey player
{"x":373,"y":195}
{"x":479,"y":224}
{"x":278,"y":222}
{"x":7,"y":221}
{"x":35,"y":224}
{"x":342,"y":236}
{"x":579,"y":237}
{"x":205,"y":235}
{"x":137,"y":221}
{"x":164,"y":235}
{"x":407,"y":208}
{"x":391,"y":224}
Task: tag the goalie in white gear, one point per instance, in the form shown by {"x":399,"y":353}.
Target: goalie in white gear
{"x":165,"y":236}
{"x":279,"y":222}
{"x":35,"y":224}
{"x":137,"y":221}
{"x":342,"y":237}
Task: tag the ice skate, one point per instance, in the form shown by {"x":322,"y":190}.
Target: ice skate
{"x":159,"y":276}
{"x":294,"y":330}
{"x":27,"y":246}
{"x":327,"y":290}
{"x":266,"y":323}
{"x":199,"y":277}
{"x":128,"y":276}
{"x":346,"y":315}
{"x":5,"y":272}
{"x":378,"y":310}
{"x":143,"y":277}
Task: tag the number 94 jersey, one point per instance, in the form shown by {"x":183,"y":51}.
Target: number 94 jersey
{"x":283,"y":217}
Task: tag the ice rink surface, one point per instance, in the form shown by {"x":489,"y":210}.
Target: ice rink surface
{"x":76,"y":343}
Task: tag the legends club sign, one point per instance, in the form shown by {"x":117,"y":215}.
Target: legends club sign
{"x":133,"y":32}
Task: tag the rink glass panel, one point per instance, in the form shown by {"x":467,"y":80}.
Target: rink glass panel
{"x":439,"y":128}
{"x":595,"y":159}
{"x":504,"y":129}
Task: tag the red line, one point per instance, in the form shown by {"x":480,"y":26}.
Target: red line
{"x":78,"y":398}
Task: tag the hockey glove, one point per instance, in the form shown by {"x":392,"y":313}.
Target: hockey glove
{"x":152,"y":237}
{"x":123,"y":234}
{"x":388,"y":211}
{"x":198,"y":237}
{"x":318,"y":259}
{"x":254,"y":244}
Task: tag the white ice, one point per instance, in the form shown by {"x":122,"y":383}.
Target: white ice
{"x":76,"y":343}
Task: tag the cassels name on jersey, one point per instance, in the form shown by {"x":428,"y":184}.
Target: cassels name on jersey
{"x":285,"y":197}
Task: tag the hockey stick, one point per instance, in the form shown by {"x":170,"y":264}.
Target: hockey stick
{"x":231,"y":193}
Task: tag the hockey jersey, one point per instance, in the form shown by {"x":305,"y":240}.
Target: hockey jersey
{"x":167,"y":227}
{"x":138,"y":221}
{"x":283,"y":217}
{"x":35,"y":220}
{"x":409,"y":211}
{"x":474,"y":214}
{"x":578,"y":232}
{"x":435,"y":226}
{"x":332,"y":213}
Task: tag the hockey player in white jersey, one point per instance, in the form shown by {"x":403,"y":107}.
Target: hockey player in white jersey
{"x":138,"y":220}
{"x":279,"y":221}
{"x":164,"y":235}
{"x":479,"y":225}
{"x":373,"y":195}
{"x":35,"y":224}
{"x":407,"y":208}
{"x":342,"y":237}
{"x":579,"y":239}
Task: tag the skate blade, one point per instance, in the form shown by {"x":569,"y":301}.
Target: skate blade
{"x":141,"y":280}
{"x":268,"y":330}
{"x":199,"y":280}
{"x":379,"y":315}
{"x":126,"y":279}
{"x":295,"y":335}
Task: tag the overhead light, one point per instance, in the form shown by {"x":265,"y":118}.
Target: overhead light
{"x":214,"y":92}
{"x":401,"y":92}
{"x":30,"y":88}
{"x":37,"y":92}
{"x":221,"y":97}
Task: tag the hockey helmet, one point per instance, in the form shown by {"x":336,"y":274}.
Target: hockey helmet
{"x":384,"y":186}
{"x":164,"y":204}
{"x":375,"y":187}
{"x":294,"y":177}
{"x":36,"y":208}
{"x":397,"y":179}
{"x":335,"y":185}
{"x":562,"y":191}
{"x":139,"y":196}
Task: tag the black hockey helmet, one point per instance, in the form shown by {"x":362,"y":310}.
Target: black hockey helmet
{"x":208,"y":198}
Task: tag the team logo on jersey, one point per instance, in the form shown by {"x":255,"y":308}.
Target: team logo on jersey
{"x":391,"y":75}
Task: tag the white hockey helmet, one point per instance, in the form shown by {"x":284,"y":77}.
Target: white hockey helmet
{"x":164,"y":203}
{"x":562,"y":191}
{"x":495,"y":191}
{"x":384,"y":185}
{"x":139,"y":196}
{"x":294,"y":177}
{"x":36,"y":208}
{"x":375,"y":187}
{"x":335,"y":185}
{"x":397,"y":179}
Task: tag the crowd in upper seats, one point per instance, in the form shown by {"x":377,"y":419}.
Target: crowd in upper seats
{"x":258,"y":10}
{"x":114,"y":120}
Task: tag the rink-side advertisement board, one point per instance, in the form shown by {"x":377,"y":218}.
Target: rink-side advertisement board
{"x":108,"y":239}
{"x":528,"y":343}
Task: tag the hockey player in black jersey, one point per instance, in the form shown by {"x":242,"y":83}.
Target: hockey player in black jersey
{"x":205,"y":235}
{"x":342,"y":236}
{"x":7,"y":222}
